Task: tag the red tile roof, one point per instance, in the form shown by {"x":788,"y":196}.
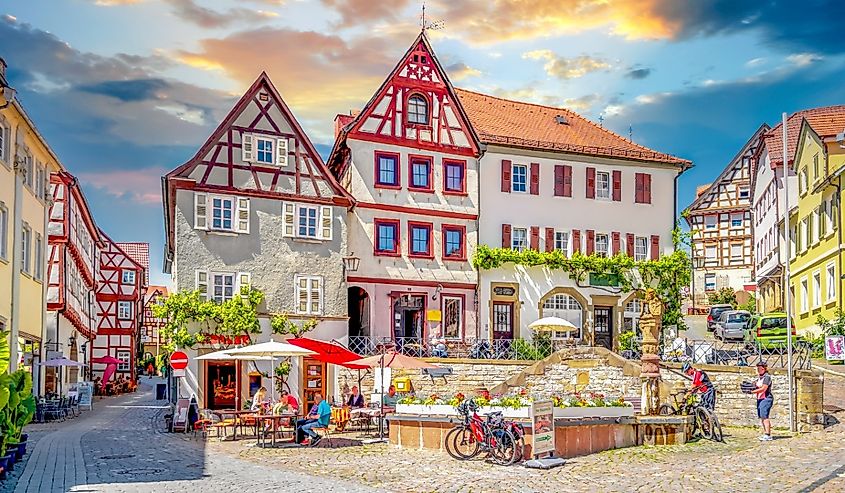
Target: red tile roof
{"x":502,"y":121}
{"x":826,"y":121}
{"x":139,"y":252}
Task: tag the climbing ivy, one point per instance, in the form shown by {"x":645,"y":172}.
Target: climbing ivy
{"x":282,"y":325}
{"x":188,"y":315}
{"x":668,"y":275}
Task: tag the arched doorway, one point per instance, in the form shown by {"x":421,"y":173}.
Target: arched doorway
{"x":358,"y":309}
{"x":568,"y":308}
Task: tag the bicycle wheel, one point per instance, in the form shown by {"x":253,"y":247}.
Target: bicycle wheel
{"x":666,"y":410}
{"x":717,"y":429}
{"x":461,"y":444}
{"x":704,"y":420}
{"x":503,"y":447}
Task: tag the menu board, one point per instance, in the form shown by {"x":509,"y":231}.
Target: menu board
{"x":86,"y":393}
{"x":543,"y":423}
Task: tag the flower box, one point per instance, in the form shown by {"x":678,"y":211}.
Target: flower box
{"x":508,"y":412}
{"x":593,"y":412}
{"x":422,"y":409}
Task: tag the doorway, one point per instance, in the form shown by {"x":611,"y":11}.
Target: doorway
{"x":221,"y":385}
{"x":358,"y":309}
{"x":502,"y":320}
{"x":603,"y":326}
{"x":408,"y":316}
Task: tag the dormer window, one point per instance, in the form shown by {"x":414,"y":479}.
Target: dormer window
{"x":418,"y":110}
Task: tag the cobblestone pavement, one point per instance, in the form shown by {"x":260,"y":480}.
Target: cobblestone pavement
{"x":120,"y":447}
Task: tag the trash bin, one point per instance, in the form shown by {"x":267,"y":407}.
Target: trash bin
{"x":161,"y":391}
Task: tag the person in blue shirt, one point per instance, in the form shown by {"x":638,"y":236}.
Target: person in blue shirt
{"x":318,"y":417}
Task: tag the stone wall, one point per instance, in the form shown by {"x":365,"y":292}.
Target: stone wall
{"x":467,"y":375}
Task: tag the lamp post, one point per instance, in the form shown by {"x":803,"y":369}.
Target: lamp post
{"x":351,"y":263}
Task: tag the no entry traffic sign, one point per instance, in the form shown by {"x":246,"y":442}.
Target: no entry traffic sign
{"x":178,"y":360}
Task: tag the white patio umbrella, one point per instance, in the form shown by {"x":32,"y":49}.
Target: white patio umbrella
{"x":223,"y":356}
{"x":56,"y":362}
{"x":552,"y":324}
{"x":273,"y":350}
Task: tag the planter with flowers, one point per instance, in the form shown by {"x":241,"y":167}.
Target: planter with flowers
{"x":518,"y":405}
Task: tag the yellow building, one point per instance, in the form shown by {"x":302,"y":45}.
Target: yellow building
{"x":26,"y":162}
{"x":816,"y":259}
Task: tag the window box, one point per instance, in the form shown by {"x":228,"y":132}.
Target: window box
{"x":386,"y":237}
{"x":387,"y":172}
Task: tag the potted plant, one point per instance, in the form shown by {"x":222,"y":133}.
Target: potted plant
{"x":18,"y":412}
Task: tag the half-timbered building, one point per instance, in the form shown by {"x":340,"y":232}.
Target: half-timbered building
{"x":120,"y":307}
{"x":721,"y":227}
{"x":257,"y":207}
{"x":409,"y":158}
{"x":73,"y":243}
{"x":552,"y":180}
{"x":151,"y":341}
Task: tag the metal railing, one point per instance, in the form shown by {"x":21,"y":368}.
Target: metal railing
{"x":469,"y":348}
{"x":731,"y":353}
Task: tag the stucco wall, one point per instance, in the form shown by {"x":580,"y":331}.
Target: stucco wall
{"x":271,"y":260}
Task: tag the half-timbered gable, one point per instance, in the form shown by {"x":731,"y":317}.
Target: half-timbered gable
{"x":409,"y":159}
{"x":720,"y":220}
{"x":119,"y":304}
{"x":256,"y":206}
{"x":151,"y":325}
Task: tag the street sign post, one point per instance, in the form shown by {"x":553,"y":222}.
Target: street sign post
{"x":179,"y":362}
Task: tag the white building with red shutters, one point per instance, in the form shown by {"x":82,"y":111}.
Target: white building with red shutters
{"x":121,"y":284}
{"x":409,"y":160}
{"x":257,"y":207}
{"x":551,"y":179}
{"x":74,"y":242}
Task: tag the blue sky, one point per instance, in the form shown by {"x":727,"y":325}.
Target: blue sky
{"x":125,"y":90}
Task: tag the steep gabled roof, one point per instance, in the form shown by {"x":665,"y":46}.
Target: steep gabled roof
{"x":350,"y":124}
{"x":714,"y":186}
{"x":516,"y":123}
{"x":826,"y":121}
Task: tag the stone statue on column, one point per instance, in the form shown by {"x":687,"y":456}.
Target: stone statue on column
{"x":650,"y":323}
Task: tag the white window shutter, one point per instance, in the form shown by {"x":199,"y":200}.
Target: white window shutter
{"x":243,"y":215}
{"x":282,"y":151}
{"x":202,"y":283}
{"x":289,"y":218}
{"x":200,"y":211}
{"x":244,"y":283}
{"x":326,"y":222}
{"x":247,"y":148}
{"x":301,"y":283}
{"x":317,"y":286}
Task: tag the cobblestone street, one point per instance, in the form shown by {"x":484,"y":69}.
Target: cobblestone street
{"x":120,"y":447}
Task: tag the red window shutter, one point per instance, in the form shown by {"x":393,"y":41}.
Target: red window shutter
{"x":591,"y":183}
{"x":506,"y":175}
{"x":506,"y":236}
{"x":567,"y":180}
{"x":550,"y":239}
{"x":558,"y":180}
{"x":591,"y":241}
{"x":615,"y":242}
{"x":655,"y":247}
{"x":535,"y":238}
{"x":646,"y":188}
{"x":576,"y":240}
{"x":629,"y":244}
{"x":535,"y":178}
{"x":638,"y":188}
{"x":617,"y":186}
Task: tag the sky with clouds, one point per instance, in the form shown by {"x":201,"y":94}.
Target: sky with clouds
{"x":125,"y":90}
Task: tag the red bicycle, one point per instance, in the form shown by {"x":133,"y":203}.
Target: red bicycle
{"x":501,"y":439}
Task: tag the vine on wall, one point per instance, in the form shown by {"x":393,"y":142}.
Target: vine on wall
{"x":187,"y":316}
{"x":668,"y":275}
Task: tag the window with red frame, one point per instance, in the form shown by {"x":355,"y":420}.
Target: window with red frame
{"x":420,"y":240}
{"x":454,"y":179}
{"x":454,"y":242}
{"x":387,"y":169}
{"x":387,"y":237}
{"x":420,"y":173}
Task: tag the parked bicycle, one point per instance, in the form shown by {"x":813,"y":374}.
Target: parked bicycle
{"x":706,"y":424}
{"x":493,"y":435}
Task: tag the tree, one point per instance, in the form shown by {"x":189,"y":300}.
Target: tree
{"x":282,"y":325}
{"x":724,"y":296}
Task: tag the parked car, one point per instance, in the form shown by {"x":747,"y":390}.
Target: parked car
{"x":768,"y":331}
{"x":714,"y":314}
{"x":732,"y":325}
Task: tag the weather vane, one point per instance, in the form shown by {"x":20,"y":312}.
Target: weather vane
{"x":430,"y":26}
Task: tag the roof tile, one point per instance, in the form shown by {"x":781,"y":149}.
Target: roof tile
{"x":826,"y":121}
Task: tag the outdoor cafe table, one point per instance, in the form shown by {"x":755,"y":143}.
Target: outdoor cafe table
{"x":369,"y":413}
{"x":274,"y":420}
{"x":236,"y":417}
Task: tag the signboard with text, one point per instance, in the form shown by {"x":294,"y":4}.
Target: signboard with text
{"x":834,"y":348}
{"x":86,"y":394}
{"x":543,"y":428}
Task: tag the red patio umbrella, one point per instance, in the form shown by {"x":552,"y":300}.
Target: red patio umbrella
{"x":329,"y":352}
{"x":106,"y":360}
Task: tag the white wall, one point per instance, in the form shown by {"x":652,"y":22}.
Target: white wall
{"x":770,"y":218}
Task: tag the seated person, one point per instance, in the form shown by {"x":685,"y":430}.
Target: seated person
{"x":259,"y":399}
{"x":438,"y":346}
{"x":355,"y":398}
{"x":289,"y":401}
{"x":319,"y":417}
{"x":390,"y":397}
